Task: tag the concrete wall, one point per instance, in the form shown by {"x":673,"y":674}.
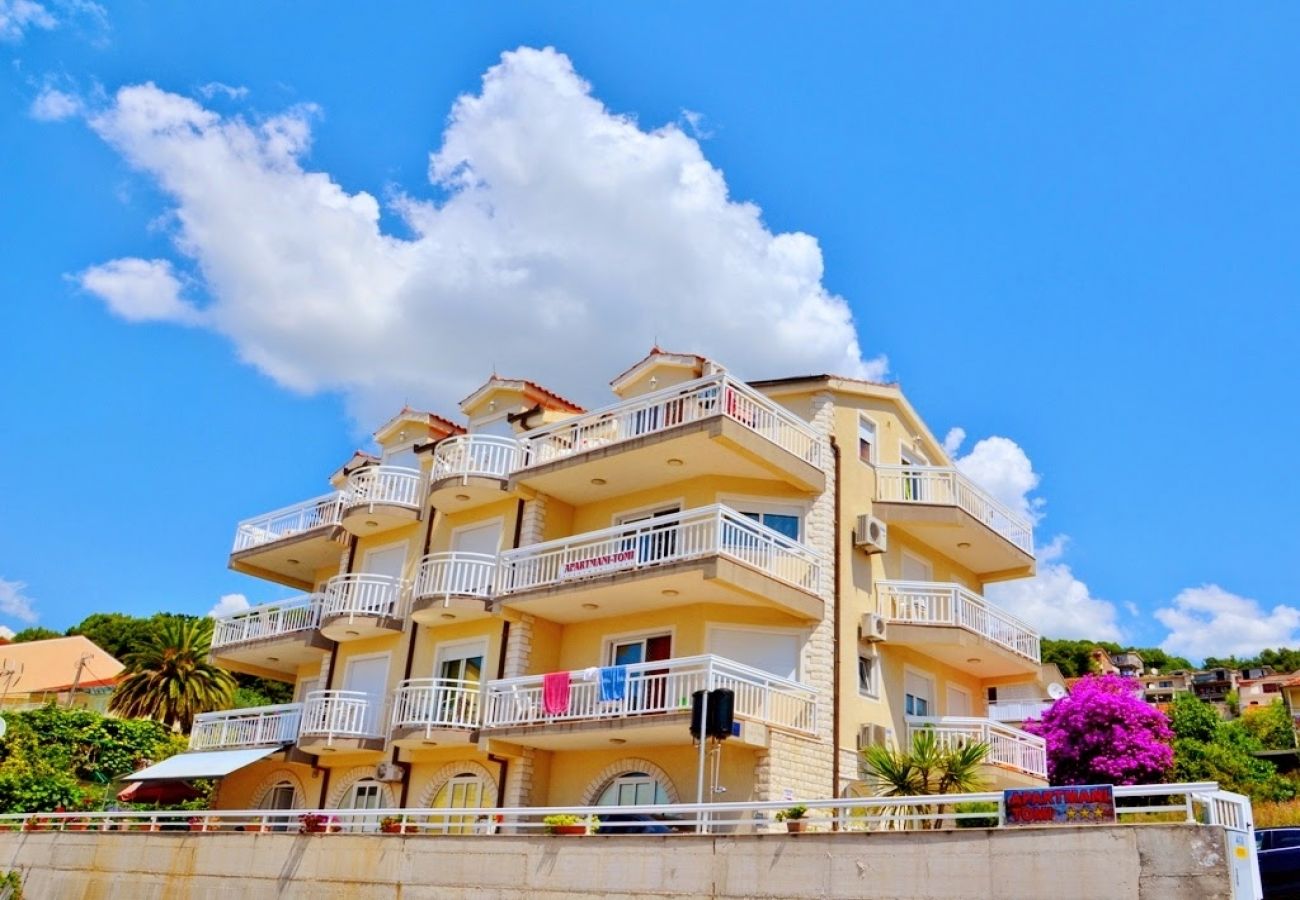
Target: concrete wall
{"x":1150,"y":862}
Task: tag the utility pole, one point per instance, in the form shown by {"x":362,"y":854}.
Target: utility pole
{"x":76,"y":679}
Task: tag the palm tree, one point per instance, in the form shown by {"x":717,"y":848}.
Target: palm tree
{"x":170,"y":678}
{"x":927,"y":767}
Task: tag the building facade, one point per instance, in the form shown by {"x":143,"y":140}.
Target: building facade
{"x":516,"y":607}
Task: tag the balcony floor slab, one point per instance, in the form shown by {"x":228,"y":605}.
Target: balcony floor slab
{"x":458,"y":493}
{"x":956,"y":647}
{"x":438,"y":610}
{"x":276,"y":657}
{"x":990,"y":555}
{"x":648,"y":730}
{"x":358,"y":628}
{"x":418,"y":738}
{"x":292,"y":560}
{"x":372,"y":518}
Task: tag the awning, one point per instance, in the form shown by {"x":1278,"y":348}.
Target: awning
{"x":201,"y":764}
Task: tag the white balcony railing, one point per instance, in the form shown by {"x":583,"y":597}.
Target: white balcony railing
{"x":1008,"y":746}
{"x":658,"y":411}
{"x":1018,"y":710}
{"x":259,"y":726}
{"x":436,"y":703}
{"x":288,"y":522}
{"x":456,"y":574}
{"x":657,"y":687}
{"x":392,"y":485}
{"x":476,"y":455}
{"x":938,"y":603}
{"x":940,"y":486}
{"x":363,"y":594}
{"x":341,"y":714}
{"x":692,"y":534}
{"x":269,"y":620}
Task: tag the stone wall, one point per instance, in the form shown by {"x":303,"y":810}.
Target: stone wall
{"x":1151,"y":862}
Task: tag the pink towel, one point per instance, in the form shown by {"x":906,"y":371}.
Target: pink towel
{"x":555,"y":693}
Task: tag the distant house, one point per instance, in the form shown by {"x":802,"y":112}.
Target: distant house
{"x":1214,"y":685}
{"x":1261,"y":687}
{"x":1160,"y":688}
{"x":70,"y":671}
{"x":1126,"y":663}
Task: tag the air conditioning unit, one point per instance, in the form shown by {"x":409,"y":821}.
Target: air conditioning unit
{"x":872,"y":627}
{"x":872,"y":735}
{"x":387,"y":771}
{"x":871,"y":534}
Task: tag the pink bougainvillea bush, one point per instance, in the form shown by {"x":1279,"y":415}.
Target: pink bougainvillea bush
{"x":1104,"y":733}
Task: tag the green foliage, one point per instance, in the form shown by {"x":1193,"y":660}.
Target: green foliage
{"x":1206,"y":748}
{"x":926,"y":767}
{"x":170,"y":678}
{"x":1072,"y":656}
{"x":35,"y":633}
{"x":12,"y":881}
{"x":990,"y":821}
{"x":1270,"y":725}
{"x":267,"y":691}
{"x":1193,"y":719}
{"x":1282,"y":659}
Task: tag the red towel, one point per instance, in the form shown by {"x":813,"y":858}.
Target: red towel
{"x":555,"y":693}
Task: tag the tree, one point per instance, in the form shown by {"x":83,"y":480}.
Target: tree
{"x":1271,"y":726}
{"x":1103,"y":733}
{"x":117,"y":634}
{"x":1206,"y":748}
{"x":927,"y":767}
{"x":34,"y":633}
{"x":170,"y":678}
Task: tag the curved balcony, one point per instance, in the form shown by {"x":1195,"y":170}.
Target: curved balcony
{"x":453,"y":586}
{"x":378,"y":498}
{"x":341,"y":722}
{"x":472,"y":469}
{"x":259,"y":726}
{"x":278,"y":637}
{"x":289,"y":545}
{"x":431,"y":712}
{"x":951,"y":513}
{"x":361,"y":605}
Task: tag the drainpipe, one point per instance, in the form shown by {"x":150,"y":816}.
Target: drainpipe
{"x":835,"y":639}
{"x":410,"y":652}
{"x":502,"y":762}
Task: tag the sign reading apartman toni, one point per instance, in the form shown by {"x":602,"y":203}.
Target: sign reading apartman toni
{"x":599,"y":565}
{"x":1080,"y":804}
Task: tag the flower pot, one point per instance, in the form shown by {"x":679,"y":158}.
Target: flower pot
{"x":568,"y":829}
{"x":196,"y":826}
{"x":795,"y":826}
{"x":410,"y":829}
{"x":76,"y":826}
{"x":391,"y":828}
{"x":313,"y":828}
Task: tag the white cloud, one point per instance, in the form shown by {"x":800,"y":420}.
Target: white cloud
{"x":139,"y":290}
{"x":1002,"y":468}
{"x":17,"y":16}
{"x":1055,"y":602}
{"x":952,"y":441}
{"x":228,"y":605}
{"x":14,"y":603}
{"x":213,"y":88}
{"x":54,"y":105}
{"x":1210,"y":621}
{"x":7,"y":633}
{"x":565,"y":239}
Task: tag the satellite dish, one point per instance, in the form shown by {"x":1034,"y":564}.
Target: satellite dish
{"x":1056,"y":690}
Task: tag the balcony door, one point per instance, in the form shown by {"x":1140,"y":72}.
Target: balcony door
{"x":646,"y":690}
{"x":478,"y":538}
{"x":460,"y":668}
{"x":368,"y":675}
{"x":657,"y":544}
{"x":385,"y":560}
{"x":774,"y":652}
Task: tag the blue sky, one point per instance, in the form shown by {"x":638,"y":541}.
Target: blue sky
{"x":1071,"y":228}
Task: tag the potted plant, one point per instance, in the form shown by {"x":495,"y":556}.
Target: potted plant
{"x":35,"y":823}
{"x":794,"y":818}
{"x":76,"y":824}
{"x":390,"y":825}
{"x":196,"y":823}
{"x":311,"y":823}
{"x":565,"y":823}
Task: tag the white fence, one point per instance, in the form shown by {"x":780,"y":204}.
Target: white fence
{"x":1008,"y":746}
{"x":363,"y":594}
{"x":715,"y":395}
{"x":341,"y":714}
{"x":692,"y":534}
{"x":456,"y":574}
{"x":268,"y":620}
{"x":1018,"y":710}
{"x":288,"y":522}
{"x":940,"y":486}
{"x":259,"y":726}
{"x":938,"y":603}
{"x":393,"y":485}
{"x":436,"y":703}
{"x":655,"y":687}
{"x":476,"y":455}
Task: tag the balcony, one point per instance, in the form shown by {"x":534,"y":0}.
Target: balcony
{"x":237,"y":729}
{"x":654,"y":709}
{"x":361,"y":605}
{"x":711,"y":426}
{"x":472,"y":469}
{"x":1018,"y":710}
{"x":953,"y":625}
{"x":289,"y":545}
{"x":1011,"y":749}
{"x":948,"y":511}
{"x":378,"y":498}
{"x":271,"y":638}
{"x":711,"y":554}
{"x":431,"y":712}
{"x":341,"y":722}
{"x":453,"y":587}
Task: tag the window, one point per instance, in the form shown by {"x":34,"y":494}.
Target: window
{"x":365,"y":794}
{"x":867,"y":675}
{"x":866,"y":440}
{"x":632,"y":789}
{"x":402,"y":456}
{"x":464,"y":791}
{"x":281,"y":796}
{"x":918,"y":694}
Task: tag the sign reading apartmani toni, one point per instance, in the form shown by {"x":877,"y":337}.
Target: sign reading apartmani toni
{"x":1080,"y":804}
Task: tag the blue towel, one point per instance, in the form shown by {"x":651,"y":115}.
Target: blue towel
{"x":613,"y":682}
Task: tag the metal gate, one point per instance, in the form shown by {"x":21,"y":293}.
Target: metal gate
{"x":1233,"y":812}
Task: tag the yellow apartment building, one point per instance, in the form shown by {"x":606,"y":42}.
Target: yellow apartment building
{"x":514,"y":607}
